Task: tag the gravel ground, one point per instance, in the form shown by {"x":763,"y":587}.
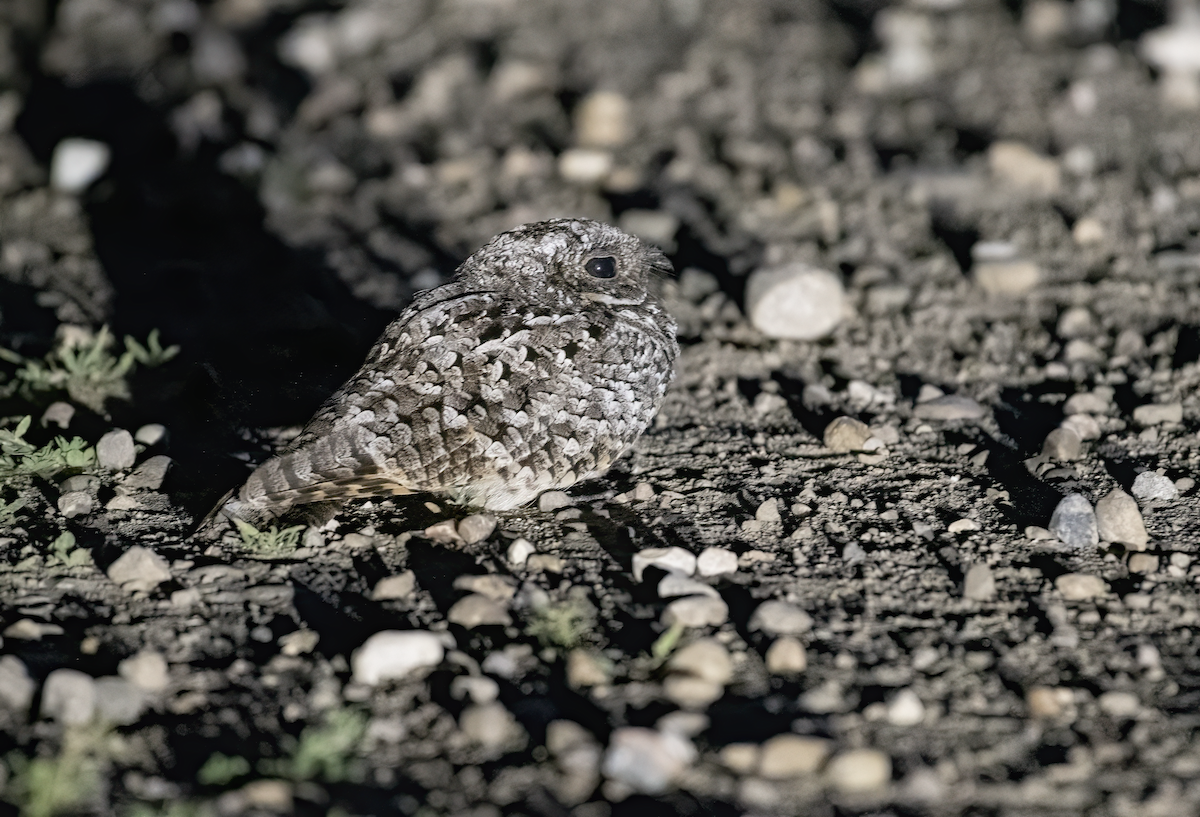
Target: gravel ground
{"x":914,"y":533}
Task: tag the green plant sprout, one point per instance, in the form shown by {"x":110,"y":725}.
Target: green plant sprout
{"x":666,"y":643}
{"x":322,"y":752}
{"x":20,"y":457}
{"x":221,"y":770}
{"x":49,"y":786}
{"x":563,"y":625}
{"x":8,"y":511}
{"x":63,"y":552}
{"x":89,"y":371}
{"x":272,"y":543}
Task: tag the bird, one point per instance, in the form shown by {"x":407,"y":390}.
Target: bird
{"x":536,"y":367}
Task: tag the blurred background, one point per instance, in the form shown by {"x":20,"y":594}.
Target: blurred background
{"x":268,"y":181}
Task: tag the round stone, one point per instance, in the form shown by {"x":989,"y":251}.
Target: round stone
{"x":1118,"y":519}
{"x":1074,"y":522}
{"x":795,"y":301}
{"x":396,"y":654}
{"x":780,"y":618}
{"x":860,"y":770}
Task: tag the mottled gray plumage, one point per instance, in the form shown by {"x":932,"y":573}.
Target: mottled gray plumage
{"x":531,"y":370}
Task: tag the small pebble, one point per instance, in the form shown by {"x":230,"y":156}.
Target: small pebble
{"x":603,"y":120}
{"x":846,"y":434}
{"x":739,"y":758}
{"x":780,"y":618}
{"x":584,"y":669}
{"x":479,"y":688}
{"x":1150,"y":485}
{"x":76,"y":503}
{"x":794,"y":301}
{"x":115,"y":451}
{"x":786,"y":657}
{"x":979,"y":584}
{"x":147,"y":669}
{"x":476,"y":528}
{"x":553,"y":500}
{"x":495,"y":587}
{"x":1143,"y":563}
{"x":298,"y":642}
{"x":1084,"y":425}
{"x":477,"y":610}
{"x":1049,"y":703}
{"x":491,"y":726}
{"x":949,"y":407}
{"x":1074,"y":522}
{"x":859,"y":770}
{"x":962,"y":526}
{"x":1119,"y":704}
{"x":444,"y":532}
{"x":1158,"y":413}
{"x":696,"y":612}
{"x":59,"y":413}
{"x":674,"y":585}
{"x":149,"y":475}
{"x":400,"y":586}
{"x":1006,"y":278}
{"x":768,"y":511}
{"x":519,"y":552}
{"x":705,"y":658}
{"x":69,"y":697}
{"x":787,"y":756}
{"x":1080,"y":586}
{"x":76,"y":163}
{"x":906,"y":709}
{"x":1021,"y":168}
{"x":16,"y":687}
{"x":1076,"y":322}
{"x":585,"y":165}
{"x":690,"y":692}
{"x":645,"y":760}
{"x":119,"y":701}
{"x":671,"y":559}
{"x":150,"y":434}
{"x":1063,"y":444}
{"x":714,"y":561}
{"x":1119,"y":520}
{"x":395,"y":654}
{"x":139,"y":568}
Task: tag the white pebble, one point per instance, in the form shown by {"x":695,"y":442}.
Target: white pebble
{"x":1080,"y":586}
{"x":395,"y":654}
{"x":1119,"y":520}
{"x":671,"y":559}
{"x":714,"y":561}
{"x":585,"y":166}
{"x":115,"y":451}
{"x":696,"y":611}
{"x":1150,"y":485}
{"x":646,"y":760}
{"x":520,"y":551}
{"x":780,"y":618}
{"x":69,"y":697}
{"x":905,"y":709}
{"x":139,"y":568}
{"x":76,"y":163}
{"x":860,"y":770}
{"x":795,"y":301}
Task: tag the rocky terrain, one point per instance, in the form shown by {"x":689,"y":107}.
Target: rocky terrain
{"x":914,"y":534}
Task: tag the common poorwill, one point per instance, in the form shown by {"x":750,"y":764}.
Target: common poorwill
{"x":535,"y":368}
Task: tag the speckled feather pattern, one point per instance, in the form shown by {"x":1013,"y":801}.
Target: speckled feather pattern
{"x":522,"y":375}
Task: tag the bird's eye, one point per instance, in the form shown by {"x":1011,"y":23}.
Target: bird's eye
{"x":603,"y":267}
